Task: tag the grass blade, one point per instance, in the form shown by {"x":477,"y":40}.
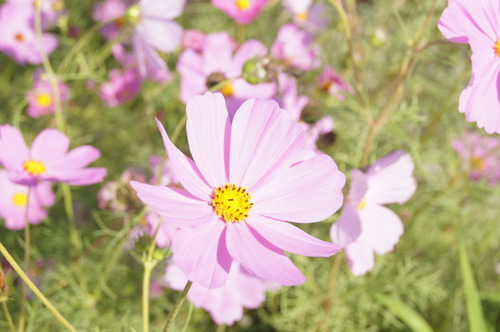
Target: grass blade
{"x":409,"y":316}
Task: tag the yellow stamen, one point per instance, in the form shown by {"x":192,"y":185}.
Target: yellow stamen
{"x":302,"y":17}
{"x":120,"y":21}
{"x":243,"y":4}
{"x":478,"y":163}
{"x":497,"y":48}
{"x":362,"y":205}
{"x":227,"y":90}
{"x":231,"y":203}
{"x":20,"y":199}
{"x":19,"y":37}
{"x":57,"y":6}
{"x":34,"y":167}
{"x":44,"y":100}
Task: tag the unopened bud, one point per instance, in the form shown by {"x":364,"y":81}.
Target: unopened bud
{"x":259,"y":70}
{"x":133,"y":15}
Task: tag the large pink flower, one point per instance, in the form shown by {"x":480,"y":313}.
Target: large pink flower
{"x":478,"y":23}
{"x":225,"y":303}
{"x":242,"y":11}
{"x":215,"y":64}
{"x":366,"y":227}
{"x":14,"y":198}
{"x":48,"y":159}
{"x":247,"y":180}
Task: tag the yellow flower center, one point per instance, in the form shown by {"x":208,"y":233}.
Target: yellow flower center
{"x":44,"y":100}
{"x":19,"y":37}
{"x":243,"y":4}
{"x":20,"y":199}
{"x":34,"y":167}
{"x":497,"y":48}
{"x":231,"y":203}
{"x":227,"y":90}
{"x":302,"y":17}
{"x":478,"y":163}
{"x":362,"y":205}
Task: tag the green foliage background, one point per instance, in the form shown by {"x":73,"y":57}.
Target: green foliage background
{"x":100,"y":289}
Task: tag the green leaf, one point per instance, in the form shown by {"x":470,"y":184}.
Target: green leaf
{"x":490,"y":297}
{"x":472,"y":298}
{"x":409,"y":316}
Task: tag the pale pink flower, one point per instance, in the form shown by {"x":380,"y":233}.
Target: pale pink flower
{"x":48,"y":159}
{"x":332,"y":83}
{"x":246,"y":181}
{"x":193,"y":39}
{"x":217,"y":63}
{"x":18,"y":38}
{"x":481,"y":155}
{"x":14,"y":201}
{"x":41,"y":98}
{"x":242,"y":11}
{"x":309,"y":16}
{"x":225,"y":304}
{"x":365,"y":226}
{"x":295,"y":48}
{"x":121,"y":87}
{"x":478,"y":23}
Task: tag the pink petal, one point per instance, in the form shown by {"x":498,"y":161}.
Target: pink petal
{"x":208,"y":131}
{"x":360,"y":257}
{"x":76,"y":158}
{"x":78,"y":177}
{"x":201,"y":253}
{"x":264,"y":142}
{"x":162,"y":10}
{"x":348,"y":227}
{"x":260,"y":257}
{"x":13,"y":149}
{"x":292,"y":239}
{"x":193,"y":82}
{"x":49,"y":146}
{"x":382,"y":228}
{"x":359,"y":187}
{"x":163,"y":35}
{"x":185,"y":169}
{"x":43,"y":194}
{"x":217,"y":53}
{"x":309,"y":191}
{"x":390,"y":179}
{"x":248,"y":50}
{"x":176,"y":206}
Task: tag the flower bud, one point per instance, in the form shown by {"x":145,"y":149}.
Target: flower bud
{"x":259,"y":70}
{"x":133,"y":14}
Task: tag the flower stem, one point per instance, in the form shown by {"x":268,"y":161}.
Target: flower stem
{"x":70,"y":213}
{"x":148,"y":267}
{"x":8,"y":316}
{"x":177,"y":307}
{"x":34,"y":289}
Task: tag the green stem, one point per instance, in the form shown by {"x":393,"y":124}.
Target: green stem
{"x":8,"y":316}
{"x":188,"y":319}
{"x":177,"y":307}
{"x":70,"y":213}
{"x":148,"y":267}
{"x":34,"y":289}
{"x":27,"y":249}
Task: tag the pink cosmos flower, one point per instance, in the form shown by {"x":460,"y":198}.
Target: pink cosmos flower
{"x":311,"y":17}
{"x":48,"y":159}
{"x":246,"y":181}
{"x":122,"y":87}
{"x":225,"y":304}
{"x":41,"y":96}
{"x":332,"y":83}
{"x":365,"y":226}
{"x":193,"y":39}
{"x":215,"y":64}
{"x":14,"y":198}
{"x":51,"y":10}
{"x":477,"y":23}
{"x":481,"y":155}
{"x":294,"y":47}
{"x":18,"y":38}
{"x":242,"y":11}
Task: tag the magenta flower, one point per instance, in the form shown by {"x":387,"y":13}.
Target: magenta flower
{"x":246,"y":181}
{"x":294,"y":47}
{"x":18,"y":38}
{"x":477,"y":23}
{"x":122,"y":87}
{"x":365,"y":226}
{"x":41,"y":96}
{"x":242,"y":11}
{"x":215,"y":64}
{"x":48,"y":159}
{"x":14,"y":200}
{"x":481,"y":155}
{"x":225,"y":304}
{"x":332,"y":83}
